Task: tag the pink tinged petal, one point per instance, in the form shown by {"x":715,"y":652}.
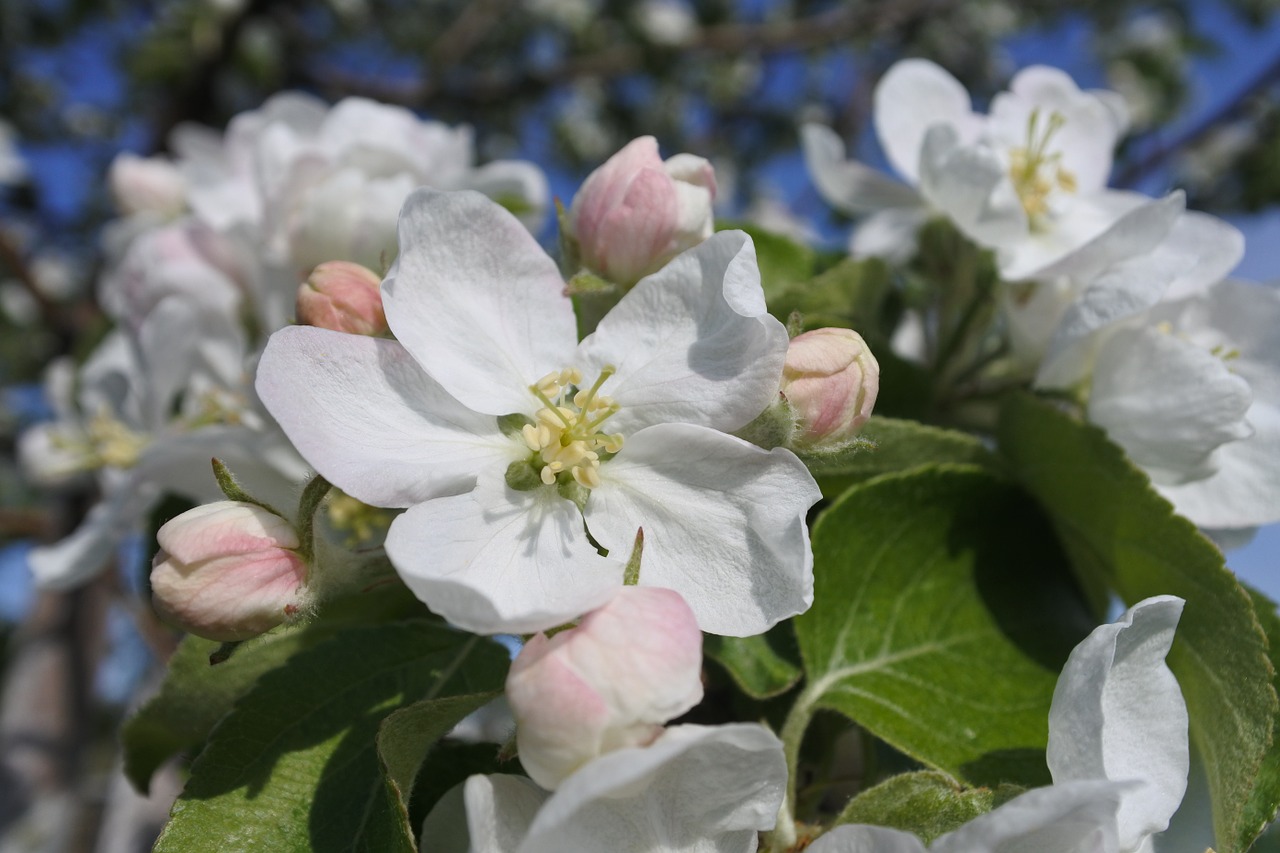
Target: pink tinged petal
{"x":224,"y":528}
{"x":913,"y":96}
{"x":692,"y":343}
{"x":608,"y":683}
{"x":369,"y":419}
{"x":634,"y":238}
{"x":1169,"y":403}
{"x":499,"y":810}
{"x":1073,"y":817}
{"x":866,"y":839}
{"x":605,"y":188}
{"x":476,"y":301}
{"x":700,"y":789}
{"x":847,"y":185}
{"x":1118,"y":714}
{"x":496,"y":560}
{"x":724,"y":523}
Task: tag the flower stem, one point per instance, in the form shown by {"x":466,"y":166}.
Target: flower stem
{"x":783,"y":835}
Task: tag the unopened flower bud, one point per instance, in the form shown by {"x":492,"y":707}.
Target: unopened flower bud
{"x":147,"y":185}
{"x":635,"y":212}
{"x":830,"y":379}
{"x":344,"y":297}
{"x":608,"y":684}
{"x":228,"y":571}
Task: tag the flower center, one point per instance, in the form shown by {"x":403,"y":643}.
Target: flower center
{"x":565,"y":435}
{"x":113,"y":443}
{"x":1036,"y":171}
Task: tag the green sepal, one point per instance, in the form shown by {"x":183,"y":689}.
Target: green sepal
{"x":231,"y":487}
{"x":522,"y":476}
{"x":514,"y":424}
{"x":631,"y":574}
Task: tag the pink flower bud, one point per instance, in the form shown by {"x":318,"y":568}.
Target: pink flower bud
{"x":147,"y":185}
{"x":344,"y":297}
{"x":831,"y":379}
{"x":607,"y":684}
{"x":228,"y":571}
{"x":635,"y":213}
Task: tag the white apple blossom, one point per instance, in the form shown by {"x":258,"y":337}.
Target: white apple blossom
{"x":1117,"y":751}
{"x":696,"y":789}
{"x":494,"y":539}
{"x":151,"y":408}
{"x":1027,"y":180}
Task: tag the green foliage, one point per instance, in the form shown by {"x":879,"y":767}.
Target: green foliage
{"x":784,"y":263}
{"x":1261,"y":808}
{"x":295,"y":766}
{"x":926,"y":803}
{"x":756,"y":664}
{"x":901,"y":445}
{"x":942,"y":614}
{"x":1119,"y":533}
{"x":852,"y":293}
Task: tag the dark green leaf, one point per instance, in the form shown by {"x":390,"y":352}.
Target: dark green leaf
{"x":926,"y":803}
{"x":783,"y":262}
{"x":753,"y":663}
{"x":295,"y":765}
{"x":1121,"y":534}
{"x":943,"y":612}
{"x":1262,"y":805}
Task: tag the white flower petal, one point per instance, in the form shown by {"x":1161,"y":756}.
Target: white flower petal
{"x":499,"y":811}
{"x":1118,"y":714}
{"x":1244,"y":489}
{"x":693,"y":343}
{"x":866,"y":839}
{"x":1075,"y":817}
{"x":970,"y":184}
{"x":724,"y":523}
{"x":890,"y":234}
{"x":847,"y":185}
{"x":1205,"y":248}
{"x":364,"y":413}
{"x":476,"y":300}
{"x":498,"y":561}
{"x":91,"y":546}
{"x":516,"y":183}
{"x":1096,"y":232}
{"x":1169,"y":403}
{"x":696,"y":789}
{"x":913,"y":96}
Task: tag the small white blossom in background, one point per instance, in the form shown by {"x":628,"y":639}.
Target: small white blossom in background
{"x":636,"y":212}
{"x":229,"y":571}
{"x":632,"y":424}
{"x":147,"y":185}
{"x":696,"y":788}
{"x":12,"y":167}
{"x":608,"y":683}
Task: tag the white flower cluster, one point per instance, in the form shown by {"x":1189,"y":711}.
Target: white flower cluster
{"x":203,"y":267}
{"x":1111,"y":296}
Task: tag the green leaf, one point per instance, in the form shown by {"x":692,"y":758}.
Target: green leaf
{"x":195,"y":695}
{"x":295,"y":765}
{"x":851,"y":294}
{"x":408,"y":735}
{"x":1119,"y":533}
{"x":926,"y":803}
{"x":1262,"y":805}
{"x":753,"y":663}
{"x":943,"y":612}
{"x":902,"y":445}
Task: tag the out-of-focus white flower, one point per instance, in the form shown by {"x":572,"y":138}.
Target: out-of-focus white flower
{"x":344,"y":297}
{"x":228,"y":571}
{"x":608,"y":683}
{"x":636,"y":212}
{"x":149,"y":185}
{"x":696,"y":788}
{"x":1028,"y":180}
{"x":494,"y":537}
{"x":830,"y":379}
{"x":1117,"y":750}
{"x":666,"y":22}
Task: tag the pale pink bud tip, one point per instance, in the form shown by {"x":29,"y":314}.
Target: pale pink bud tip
{"x":342,"y":296}
{"x":635,"y":212}
{"x":831,"y":379}
{"x":607,"y":684}
{"x":228,"y":571}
